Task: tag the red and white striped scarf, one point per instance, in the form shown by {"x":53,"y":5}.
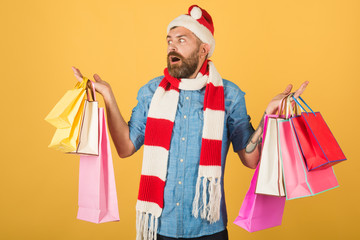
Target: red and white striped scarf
{"x":159,"y":126}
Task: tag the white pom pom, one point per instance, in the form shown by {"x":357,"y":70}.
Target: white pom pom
{"x":196,"y":13}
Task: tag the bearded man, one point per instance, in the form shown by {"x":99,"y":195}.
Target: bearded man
{"x":186,"y":120}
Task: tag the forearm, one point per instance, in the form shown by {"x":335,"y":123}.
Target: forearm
{"x":250,"y":156}
{"x":118,"y":127}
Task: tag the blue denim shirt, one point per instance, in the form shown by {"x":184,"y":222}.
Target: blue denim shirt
{"x":176,"y":219}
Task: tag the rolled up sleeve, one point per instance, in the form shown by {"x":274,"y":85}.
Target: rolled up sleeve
{"x":139,"y":114}
{"x":239,"y":125}
{"x":137,"y":121}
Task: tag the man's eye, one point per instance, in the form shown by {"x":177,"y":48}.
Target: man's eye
{"x":169,"y":42}
{"x":181,"y":40}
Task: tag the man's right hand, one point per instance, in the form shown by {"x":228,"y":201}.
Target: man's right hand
{"x":101,"y":86}
{"x":119,"y":129}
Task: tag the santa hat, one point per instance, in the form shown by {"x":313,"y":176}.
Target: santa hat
{"x":199,"y":22}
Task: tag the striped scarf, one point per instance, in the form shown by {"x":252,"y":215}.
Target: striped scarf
{"x":159,"y":126}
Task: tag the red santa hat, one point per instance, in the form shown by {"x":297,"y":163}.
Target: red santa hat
{"x":198,"y":21}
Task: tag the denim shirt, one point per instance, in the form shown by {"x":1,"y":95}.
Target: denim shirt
{"x":176,"y":219}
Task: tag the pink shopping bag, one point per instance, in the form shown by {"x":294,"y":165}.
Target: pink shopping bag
{"x":298,"y":181}
{"x":97,"y":190}
{"x":260,"y":211}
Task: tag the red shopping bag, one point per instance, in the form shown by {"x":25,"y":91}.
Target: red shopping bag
{"x":318,"y":145}
{"x":97,"y":191}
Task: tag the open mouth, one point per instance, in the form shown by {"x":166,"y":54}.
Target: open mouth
{"x":174,"y":59}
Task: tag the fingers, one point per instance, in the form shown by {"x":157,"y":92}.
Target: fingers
{"x":79,"y":77}
{"x":77,"y":74}
{"x":288,"y":89}
{"x":97,"y":78}
{"x":76,"y":71}
{"x":301,"y":89}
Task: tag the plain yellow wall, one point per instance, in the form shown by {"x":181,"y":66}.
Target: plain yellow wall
{"x":260,"y":45}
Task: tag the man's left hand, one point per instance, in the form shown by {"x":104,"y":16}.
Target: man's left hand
{"x":275,"y":102}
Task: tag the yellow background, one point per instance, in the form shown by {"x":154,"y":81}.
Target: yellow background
{"x":260,"y":45}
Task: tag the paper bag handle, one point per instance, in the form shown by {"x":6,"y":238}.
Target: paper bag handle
{"x":90,"y":89}
{"x":82,"y":84}
{"x":302,"y":106}
{"x":290,"y":112}
{"x":282,"y":106}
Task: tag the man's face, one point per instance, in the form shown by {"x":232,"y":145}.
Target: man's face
{"x":183,"y":52}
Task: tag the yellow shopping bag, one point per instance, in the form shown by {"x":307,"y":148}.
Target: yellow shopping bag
{"x":64,"y":112}
{"x":66,"y":139}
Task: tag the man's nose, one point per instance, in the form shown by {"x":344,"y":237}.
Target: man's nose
{"x":172,"y":48}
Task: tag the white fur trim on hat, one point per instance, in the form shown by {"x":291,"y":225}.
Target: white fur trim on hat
{"x":202,"y":32}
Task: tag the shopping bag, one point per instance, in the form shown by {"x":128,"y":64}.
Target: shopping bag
{"x":317,"y":143}
{"x":65,"y":111}
{"x":89,"y":131}
{"x":66,"y":139}
{"x":260,"y":211}
{"x":97,"y":191}
{"x":297,"y":180}
{"x":270,"y":179}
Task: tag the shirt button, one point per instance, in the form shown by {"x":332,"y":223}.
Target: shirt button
{"x":180,"y":182}
{"x":177,"y":204}
{"x":187,"y":98}
{"x":181,"y":160}
{"x":183,"y":139}
{"x":185,"y":116}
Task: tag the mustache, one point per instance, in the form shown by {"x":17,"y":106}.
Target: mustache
{"x":175,"y":54}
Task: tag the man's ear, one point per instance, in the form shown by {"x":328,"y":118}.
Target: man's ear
{"x":204,"y":49}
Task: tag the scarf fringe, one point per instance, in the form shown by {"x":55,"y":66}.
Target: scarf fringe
{"x":143,"y":231}
{"x":208,"y":210}
{"x":195,"y":209}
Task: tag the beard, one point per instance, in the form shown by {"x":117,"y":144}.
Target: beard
{"x":187,"y":66}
